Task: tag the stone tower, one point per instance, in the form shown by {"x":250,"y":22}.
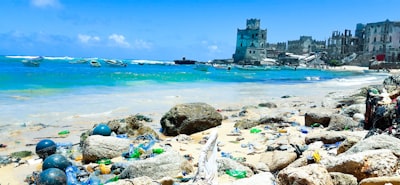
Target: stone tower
{"x":251,"y":44}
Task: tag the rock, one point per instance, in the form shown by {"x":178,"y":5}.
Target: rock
{"x":347,"y":144}
{"x":262,"y":178}
{"x":272,"y":119}
{"x":136,"y":181}
{"x":343,"y":179}
{"x":339,"y":122}
{"x":313,"y":174}
{"x":167,"y":181}
{"x":277,"y":160}
{"x":268,"y":105}
{"x":317,"y":117}
{"x":354,"y":109}
{"x":245,"y":124}
{"x":190,"y":118}
{"x":358,"y":117}
{"x":370,"y":163}
{"x":99,"y":147}
{"x":170,"y":163}
{"x":381,"y":180}
{"x":327,"y":137}
{"x":375,"y":142}
{"x":227,"y":163}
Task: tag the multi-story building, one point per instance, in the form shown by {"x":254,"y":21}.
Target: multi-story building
{"x":305,"y":45}
{"x":342,"y":44}
{"x":382,"y":40}
{"x":251,"y":43}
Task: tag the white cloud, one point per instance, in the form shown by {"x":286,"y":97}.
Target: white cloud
{"x":141,"y":44}
{"x":213,"y":48}
{"x":119,"y":40}
{"x":87,"y":38}
{"x":45,"y":3}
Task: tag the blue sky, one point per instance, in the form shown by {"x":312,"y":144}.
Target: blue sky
{"x":169,"y":29}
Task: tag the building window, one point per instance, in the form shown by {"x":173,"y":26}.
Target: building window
{"x":252,"y":36}
{"x":252,"y":44}
{"x":241,"y":36}
{"x":250,"y":52}
{"x":262,"y":35}
{"x":374,"y":39}
{"x":241,"y":44}
{"x":390,"y":39}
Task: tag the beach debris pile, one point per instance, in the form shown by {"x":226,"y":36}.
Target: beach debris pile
{"x":383,"y":108}
{"x":330,"y":147}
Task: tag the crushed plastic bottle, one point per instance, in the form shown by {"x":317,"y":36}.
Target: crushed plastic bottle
{"x":104,"y":161}
{"x":148,"y":146}
{"x":71,"y":172}
{"x":236,"y":173}
{"x":255,"y":130}
{"x":158,"y":150}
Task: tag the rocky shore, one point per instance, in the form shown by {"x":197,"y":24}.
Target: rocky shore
{"x":290,"y":140}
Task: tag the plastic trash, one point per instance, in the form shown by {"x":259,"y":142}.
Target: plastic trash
{"x":104,"y":169}
{"x":158,"y":150}
{"x":93,"y":180}
{"x":3,"y":145}
{"x":148,"y":146}
{"x":236,"y":173}
{"x":123,"y":136}
{"x":45,"y":147}
{"x":104,"y":161}
{"x":102,"y":129}
{"x":71,"y":173}
{"x":52,"y":176}
{"x":315,"y":125}
{"x":255,"y":130}
{"x":114,"y":179}
{"x":316,"y":156}
{"x":226,"y":154}
{"x":304,"y":130}
{"x":64,"y":132}
{"x":64,"y":144}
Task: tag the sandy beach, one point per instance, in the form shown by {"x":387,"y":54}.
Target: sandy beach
{"x":302,"y":98}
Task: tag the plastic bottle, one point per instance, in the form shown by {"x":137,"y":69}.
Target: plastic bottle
{"x":148,"y":146}
{"x":64,"y":132}
{"x":158,"y":150}
{"x":71,"y":172}
{"x":255,"y":130}
{"x":64,"y":144}
{"x":236,"y":173}
{"x":104,"y":161}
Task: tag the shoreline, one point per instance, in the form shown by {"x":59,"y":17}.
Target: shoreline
{"x":301,"y":100}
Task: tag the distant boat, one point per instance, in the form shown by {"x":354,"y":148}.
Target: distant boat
{"x":184,"y":61}
{"x":95,"y":63}
{"x":116,"y":63}
{"x":32,"y":62}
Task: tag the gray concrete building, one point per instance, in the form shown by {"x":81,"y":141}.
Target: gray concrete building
{"x":250,"y":43}
{"x":341,"y":45}
{"x":305,"y":45}
{"x":382,"y":40}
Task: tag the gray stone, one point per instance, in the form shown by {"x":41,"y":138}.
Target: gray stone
{"x":339,"y":122}
{"x":395,"y":180}
{"x":347,"y":144}
{"x":170,"y":163}
{"x":370,"y":163}
{"x":375,"y":142}
{"x":313,"y":174}
{"x":99,"y":147}
{"x":272,"y":119}
{"x":227,"y":163}
{"x":327,"y":137}
{"x":190,"y":118}
{"x":316,"y":117}
{"x":136,"y":181}
{"x":343,"y":179}
{"x":268,"y":105}
{"x":354,"y":109}
{"x":277,"y":160}
{"x":245,"y":124}
{"x":358,"y":117}
{"x":265,"y":178}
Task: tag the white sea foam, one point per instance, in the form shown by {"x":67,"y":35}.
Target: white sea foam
{"x":161,"y":62}
{"x":59,"y":58}
{"x":312,"y":78}
{"x":21,"y":57}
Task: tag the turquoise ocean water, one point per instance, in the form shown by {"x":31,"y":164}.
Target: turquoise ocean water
{"x":58,"y":90}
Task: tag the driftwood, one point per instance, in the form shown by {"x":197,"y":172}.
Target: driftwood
{"x":207,"y":168}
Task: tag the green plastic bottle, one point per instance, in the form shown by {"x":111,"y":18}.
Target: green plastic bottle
{"x":255,"y":130}
{"x":236,"y":173}
{"x":158,"y":150}
{"x":104,"y":161}
{"x":135,"y":154}
{"x":64,"y":132}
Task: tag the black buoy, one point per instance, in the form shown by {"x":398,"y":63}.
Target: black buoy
{"x":45,"y":148}
{"x":56,"y":161}
{"x":52,"y":176}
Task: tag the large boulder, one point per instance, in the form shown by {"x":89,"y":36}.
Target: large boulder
{"x":98,"y":147}
{"x":168,"y":164}
{"x":225,"y":163}
{"x":317,"y":117}
{"x":370,"y":163}
{"x":339,"y":122}
{"x":262,"y":178}
{"x":190,"y":118}
{"x":277,"y":160}
{"x":327,"y":137}
{"x":343,"y":179}
{"x":381,"y":180}
{"x":375,"y":142}
{"x":313,"y":174}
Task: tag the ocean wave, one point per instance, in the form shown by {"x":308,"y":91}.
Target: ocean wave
{"x":312,"y":78}
{"x":151,"y":62}
{"x":59,"y":58}
{"x":21,"y":57}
